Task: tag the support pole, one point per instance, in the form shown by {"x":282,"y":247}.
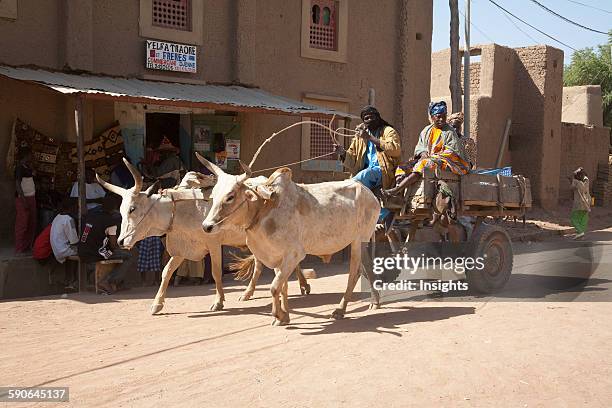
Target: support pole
{"x":502,"y":147}
{"x":466,"y":73}
{"x":80,"y":141}
{"x":455,"y":59}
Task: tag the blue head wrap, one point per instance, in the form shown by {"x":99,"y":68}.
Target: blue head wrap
{"x":435,"y":108}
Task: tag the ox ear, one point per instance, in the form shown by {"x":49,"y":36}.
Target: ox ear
{"x":152,"y":188}
{"x":251,"y":196}
{"x":265,"y":192}
{"x":111,"y":187}
{"x":210,"y":166}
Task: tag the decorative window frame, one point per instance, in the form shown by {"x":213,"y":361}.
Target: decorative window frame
{"x":342,"y":35}
{"x":8,"y":9}
{"x":148,"y":30}
{"x":332,"y":102}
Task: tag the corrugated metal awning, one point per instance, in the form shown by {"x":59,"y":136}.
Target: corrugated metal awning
{"x":220,"y":97}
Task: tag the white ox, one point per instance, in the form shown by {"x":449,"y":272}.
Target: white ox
{"x":285,"y":221}
{"x":178,"y":214}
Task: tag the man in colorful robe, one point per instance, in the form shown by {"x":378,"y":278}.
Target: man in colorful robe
{"x":438,"y":147}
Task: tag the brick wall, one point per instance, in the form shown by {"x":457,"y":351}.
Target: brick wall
{"x":581,"y":146}
{"x":475,"y":69}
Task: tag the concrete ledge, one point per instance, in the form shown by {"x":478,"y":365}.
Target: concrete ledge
{"x":26,"y":277}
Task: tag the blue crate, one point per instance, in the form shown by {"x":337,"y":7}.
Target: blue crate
{"x":504,"y":171}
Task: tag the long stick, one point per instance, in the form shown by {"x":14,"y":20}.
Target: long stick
{"x":304,"y":122}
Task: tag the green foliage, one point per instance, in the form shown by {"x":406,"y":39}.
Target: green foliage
{"x":593,"y":67}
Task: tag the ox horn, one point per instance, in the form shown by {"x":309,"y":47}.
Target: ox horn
{"x":247,"y":172}
{"x":152,"y":188}
{"x":135,"y":173}
{"x":111,"y":187}
{"x":210,"y":166}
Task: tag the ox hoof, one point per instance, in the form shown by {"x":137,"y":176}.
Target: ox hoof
{"x":305,"y":289}
{"x":215,"y":307}
{"x":245,"y":296}
{"x":338,"y":314}
{"x":374,"y":306}
{"x":156,"y":308}
{"x":279,"y":322}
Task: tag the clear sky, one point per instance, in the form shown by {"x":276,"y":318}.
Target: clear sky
{"x":489,"y":24}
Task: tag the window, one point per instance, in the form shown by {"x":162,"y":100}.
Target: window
{"x":320,"y":141}
{"x":323,"y":33}
{"x":175,"y":14}
{"x":316,"y":140}
{"x":324,"y":29}
{"x":179,"y":21}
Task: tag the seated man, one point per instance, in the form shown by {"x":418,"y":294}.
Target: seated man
{"x":374,"y":153}
{"x":94,"y":192}
{"x":438,"y":147}
{"x":99,"y":242}
{"x":64,"y":238}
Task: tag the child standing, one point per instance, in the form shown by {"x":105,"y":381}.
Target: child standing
{"x":582,"y":202}
{"x":25,"y":203}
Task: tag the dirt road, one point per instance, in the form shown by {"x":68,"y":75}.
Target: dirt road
{"x":471,"y":353}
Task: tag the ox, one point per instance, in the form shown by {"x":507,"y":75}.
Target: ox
{"x":178,"y":214}
{"x":285,"y":221}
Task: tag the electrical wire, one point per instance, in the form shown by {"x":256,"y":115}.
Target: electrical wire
{"x":554,"y":13}
{"x":518,"y":27}
{"x":589,"y":6}
{"x":535,"y":28}
{"x":478,"y":29}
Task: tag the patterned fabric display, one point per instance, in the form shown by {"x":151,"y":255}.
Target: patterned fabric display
{"x":56,"y":163}
{"x":44,"y":153}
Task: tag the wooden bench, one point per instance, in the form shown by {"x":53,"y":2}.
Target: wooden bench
{"x":103,"y":268}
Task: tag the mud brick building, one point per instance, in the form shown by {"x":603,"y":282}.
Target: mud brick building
{"x":313,"y":52}
{"x":526,"y":86}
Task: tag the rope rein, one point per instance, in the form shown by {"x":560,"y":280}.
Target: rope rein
{"x":332,"y":133}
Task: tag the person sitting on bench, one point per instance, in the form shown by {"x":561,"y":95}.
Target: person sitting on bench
{"x":438,"y":148}
{"x":99,"y":242}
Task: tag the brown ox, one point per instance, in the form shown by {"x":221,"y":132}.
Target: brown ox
{"x":285,"y":221}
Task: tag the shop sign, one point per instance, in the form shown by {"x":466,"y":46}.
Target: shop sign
{"x":232,"y":147}
{"x":171,"y":56}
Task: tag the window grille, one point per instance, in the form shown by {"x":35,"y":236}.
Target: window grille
{"x":174,"y":14}
{"x":320,"y":140}
{"x":323,"y":25}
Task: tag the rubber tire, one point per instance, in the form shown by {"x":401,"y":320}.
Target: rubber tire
{"x":494,"y":240}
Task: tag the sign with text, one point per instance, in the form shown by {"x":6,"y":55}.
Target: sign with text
{"x":171,"y":56}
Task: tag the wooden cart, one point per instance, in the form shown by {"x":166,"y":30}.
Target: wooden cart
{"x":474,"y":197}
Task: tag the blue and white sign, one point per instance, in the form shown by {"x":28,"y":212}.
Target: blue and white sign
{"x":171,"y":56}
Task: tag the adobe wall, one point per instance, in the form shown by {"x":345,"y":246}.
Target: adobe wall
{"x":491,"y":96}
{"x":42,"y":21}
{"x":294,"y":76}
{"x":582,"y":104}
{"x":581,"y":146}
{"x":495,"y":103}
{"x":414,"y":70}
{"x":536,"y":129}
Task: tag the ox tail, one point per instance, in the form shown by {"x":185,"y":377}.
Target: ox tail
{"x":243,"y":268}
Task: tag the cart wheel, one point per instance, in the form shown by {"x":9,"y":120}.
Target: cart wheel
{"x":493,"y":244}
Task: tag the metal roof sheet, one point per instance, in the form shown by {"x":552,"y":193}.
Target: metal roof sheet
{"x":224,"y":97}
